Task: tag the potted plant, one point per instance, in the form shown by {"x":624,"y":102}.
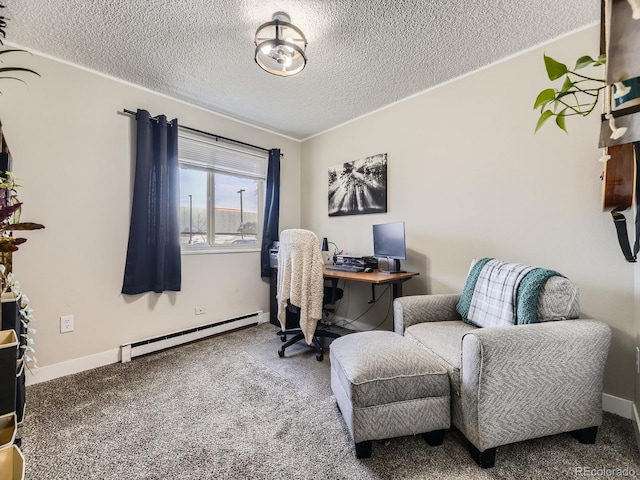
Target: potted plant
{"x":10,"y":208}
{"x":15,"y":310}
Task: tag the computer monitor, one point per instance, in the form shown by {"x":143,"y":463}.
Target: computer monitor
{"x":389,"y":242}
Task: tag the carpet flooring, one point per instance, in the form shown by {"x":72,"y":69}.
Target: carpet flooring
{"x":228,"y":407}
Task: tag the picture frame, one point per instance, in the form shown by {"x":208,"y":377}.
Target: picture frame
{"x":358,"y":187}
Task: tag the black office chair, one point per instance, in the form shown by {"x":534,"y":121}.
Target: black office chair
{"x":302,"y":293}
{"x":332,"y":294}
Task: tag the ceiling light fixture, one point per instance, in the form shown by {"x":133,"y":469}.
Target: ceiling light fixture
{"x":280,"y":46}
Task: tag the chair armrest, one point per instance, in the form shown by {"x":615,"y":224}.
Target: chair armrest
{"x":414,"y":309}
{"x":529,"y":381}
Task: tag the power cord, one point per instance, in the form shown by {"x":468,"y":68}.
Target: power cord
{"x":350,"y":322}
{"x":336,"y":250}
{"x":387,"y":315}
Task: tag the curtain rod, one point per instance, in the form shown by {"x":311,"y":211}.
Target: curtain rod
{"x":209,"y":134}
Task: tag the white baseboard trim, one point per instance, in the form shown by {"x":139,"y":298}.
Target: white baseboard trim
{"x":636,"y":424}
{"x":77,"y":365}
{"x":617,"y":405}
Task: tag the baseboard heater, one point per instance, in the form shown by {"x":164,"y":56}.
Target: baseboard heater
{"x":150,"y":345}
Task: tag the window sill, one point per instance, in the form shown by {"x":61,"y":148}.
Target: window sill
{"x":209,"y":250}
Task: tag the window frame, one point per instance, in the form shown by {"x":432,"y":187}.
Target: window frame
{"x":211,"y":169}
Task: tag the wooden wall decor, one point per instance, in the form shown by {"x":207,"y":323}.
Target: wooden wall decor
{"x":618,"y":178}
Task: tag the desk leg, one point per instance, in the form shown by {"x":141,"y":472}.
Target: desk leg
{"x":273,"y":301}
{"x":334,"y":287}
{"x":397,"y":290}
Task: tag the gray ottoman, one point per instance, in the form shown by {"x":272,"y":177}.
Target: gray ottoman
{"x":388,"y":386}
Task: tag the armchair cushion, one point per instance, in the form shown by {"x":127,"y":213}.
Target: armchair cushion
{"x":444,"y":340}
{"x":414,"y":309}
{"x":559,"y":300}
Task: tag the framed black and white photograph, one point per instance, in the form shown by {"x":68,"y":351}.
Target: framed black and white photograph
{"x":358,"y":187}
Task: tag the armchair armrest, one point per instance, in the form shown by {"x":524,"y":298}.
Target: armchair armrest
{"x":414,"y":309}
{"x":528,"y":381}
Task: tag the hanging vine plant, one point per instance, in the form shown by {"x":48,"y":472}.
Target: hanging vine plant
{"x":578,"y":95}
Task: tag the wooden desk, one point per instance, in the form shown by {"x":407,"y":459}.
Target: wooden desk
{"x":374,"y":278}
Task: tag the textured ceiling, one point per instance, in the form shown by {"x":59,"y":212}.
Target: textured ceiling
{"x":362,"y":54}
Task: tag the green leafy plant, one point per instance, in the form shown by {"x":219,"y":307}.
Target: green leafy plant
{"x":6,"y":73}
{"x":578,"y":94}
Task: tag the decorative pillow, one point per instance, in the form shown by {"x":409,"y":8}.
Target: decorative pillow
{"x":559,"y":300}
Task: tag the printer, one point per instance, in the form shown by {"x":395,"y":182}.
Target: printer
{"x":364,"y":262}
{"x":273,"y":254}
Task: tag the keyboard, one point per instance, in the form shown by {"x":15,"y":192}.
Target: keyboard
{"x":345,"y":268}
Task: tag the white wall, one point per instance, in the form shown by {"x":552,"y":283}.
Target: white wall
{"x":74,"y":154}
{"x":470,"y":179}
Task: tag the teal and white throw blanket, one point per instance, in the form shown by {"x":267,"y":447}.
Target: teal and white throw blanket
{"x":498,"y":293}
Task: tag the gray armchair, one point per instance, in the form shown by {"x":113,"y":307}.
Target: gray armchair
{"x":513,"y":383}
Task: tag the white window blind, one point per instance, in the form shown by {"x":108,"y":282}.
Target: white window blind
{"x":221,"y":158}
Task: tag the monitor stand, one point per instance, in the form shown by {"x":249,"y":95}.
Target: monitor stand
{"x":395,"y":268}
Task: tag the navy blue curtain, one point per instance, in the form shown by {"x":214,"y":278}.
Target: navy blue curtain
{"x":271,"y":225}
{"x":153,"y":254}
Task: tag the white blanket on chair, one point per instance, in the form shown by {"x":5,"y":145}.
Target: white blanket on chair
{"x":494,"y":297}
{"x":300,"y":279}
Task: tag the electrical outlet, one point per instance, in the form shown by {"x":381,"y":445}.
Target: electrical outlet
{"x":66,"y":323}
{"x":201,"y":310}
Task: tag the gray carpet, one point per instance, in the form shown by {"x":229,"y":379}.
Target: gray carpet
{"x":299,"y":366}
{"x":228,"y":408}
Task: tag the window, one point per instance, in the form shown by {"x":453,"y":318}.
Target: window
{"x":221,"y":196}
